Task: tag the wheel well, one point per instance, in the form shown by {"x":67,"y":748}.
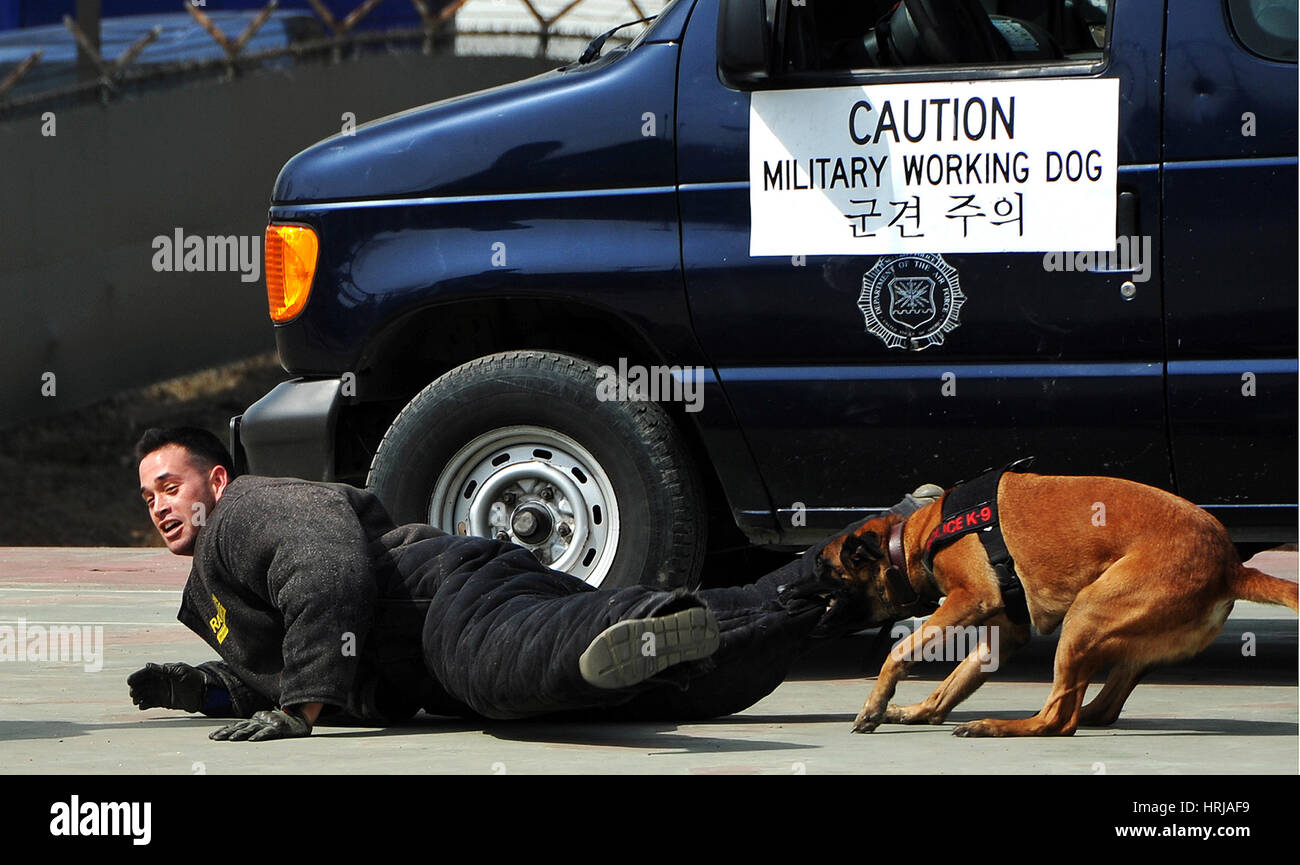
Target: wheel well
{"x":425,"y":344}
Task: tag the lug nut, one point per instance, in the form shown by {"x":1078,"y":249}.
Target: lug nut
{"x":564,"y":531}
{"x":508,"y":498}
{"x":502,"y":536}
{"x":548,"y":494}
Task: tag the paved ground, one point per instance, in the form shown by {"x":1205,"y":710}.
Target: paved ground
{"x":1227,"y":711}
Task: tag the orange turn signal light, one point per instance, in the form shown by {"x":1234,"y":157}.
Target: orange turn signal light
{"x":290,"y":265}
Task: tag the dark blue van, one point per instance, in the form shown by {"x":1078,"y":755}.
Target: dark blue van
{"x":772,"y":264}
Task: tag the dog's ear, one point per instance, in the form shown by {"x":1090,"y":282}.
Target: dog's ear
{"x":859,"y":551}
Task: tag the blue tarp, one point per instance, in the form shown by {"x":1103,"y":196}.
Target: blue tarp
{"x":181,"y":40}
{"x":32,"y":13}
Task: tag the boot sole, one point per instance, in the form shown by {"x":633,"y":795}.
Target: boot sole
{"x":629,"y":652}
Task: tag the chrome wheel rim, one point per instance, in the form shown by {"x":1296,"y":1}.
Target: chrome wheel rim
{"x":535,"y":487}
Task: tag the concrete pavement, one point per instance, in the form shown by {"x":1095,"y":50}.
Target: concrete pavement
{"x":1231,"y":710}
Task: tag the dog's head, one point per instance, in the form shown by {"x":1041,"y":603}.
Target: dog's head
{"x":856,"y":557}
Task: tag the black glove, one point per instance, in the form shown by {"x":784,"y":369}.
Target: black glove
{"x":809,"y":586}
{"x":168,"y":686}
{"x":264,"y":725}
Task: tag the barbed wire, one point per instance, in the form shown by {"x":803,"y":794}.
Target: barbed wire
{"x":436,"y":32}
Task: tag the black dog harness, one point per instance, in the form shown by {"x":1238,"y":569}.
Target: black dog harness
{"x":972,"y":506}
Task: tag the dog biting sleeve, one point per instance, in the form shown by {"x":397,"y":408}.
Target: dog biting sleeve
{"x":972,"y":507}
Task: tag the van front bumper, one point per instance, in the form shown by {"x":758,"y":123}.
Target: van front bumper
{"x":289,"y":432}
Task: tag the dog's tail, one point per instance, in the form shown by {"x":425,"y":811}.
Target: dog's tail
{"x":1249,"y":584}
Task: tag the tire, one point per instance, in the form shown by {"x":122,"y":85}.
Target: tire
{"x":518,"y":445}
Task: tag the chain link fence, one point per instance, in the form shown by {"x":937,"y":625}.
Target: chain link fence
{"x":41,"y":67}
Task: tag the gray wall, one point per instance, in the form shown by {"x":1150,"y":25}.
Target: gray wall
{"x":79,"y":297}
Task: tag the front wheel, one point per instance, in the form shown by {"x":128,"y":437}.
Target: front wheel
{"x":519,"y":446}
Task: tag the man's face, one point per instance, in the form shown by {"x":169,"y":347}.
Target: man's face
{"x":179,"y":494}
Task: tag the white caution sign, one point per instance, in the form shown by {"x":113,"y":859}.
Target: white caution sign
{"x":970,"y":166}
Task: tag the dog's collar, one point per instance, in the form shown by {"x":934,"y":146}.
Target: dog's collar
{"x":896,"y":574}
{"x":897,"y":552}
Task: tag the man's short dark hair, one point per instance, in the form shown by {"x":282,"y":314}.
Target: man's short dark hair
{"x":206,"y":449}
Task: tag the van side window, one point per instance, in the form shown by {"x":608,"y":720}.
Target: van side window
{"x":851,"y":35}
{"x":1266,"y":27}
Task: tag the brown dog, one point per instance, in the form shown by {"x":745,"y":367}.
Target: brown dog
{"x":1136,"y":576}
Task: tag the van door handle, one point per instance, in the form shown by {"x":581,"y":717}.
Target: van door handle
{"x":1126,"y":215}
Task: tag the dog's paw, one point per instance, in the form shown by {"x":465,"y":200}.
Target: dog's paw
{"x":916,"y":714}
{"x":867,"y":721}
{"x":974,"y":730}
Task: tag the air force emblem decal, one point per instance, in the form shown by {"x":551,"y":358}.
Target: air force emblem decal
{"x":911,"y":301}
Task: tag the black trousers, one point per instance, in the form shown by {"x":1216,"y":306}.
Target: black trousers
{"x":503,"y":641}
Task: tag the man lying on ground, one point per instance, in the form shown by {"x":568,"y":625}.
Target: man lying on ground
{"x":317,"y":603}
